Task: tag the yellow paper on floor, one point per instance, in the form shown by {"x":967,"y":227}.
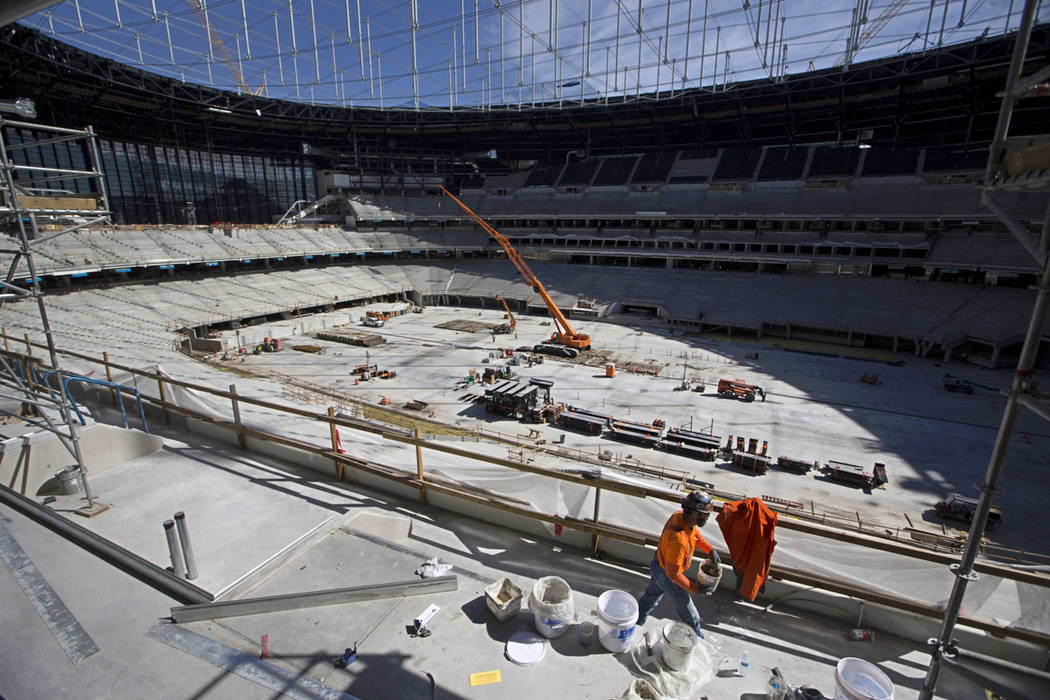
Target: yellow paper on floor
{"x":485,"y":677}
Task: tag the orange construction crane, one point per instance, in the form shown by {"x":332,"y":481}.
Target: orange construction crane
{"x":566,"y":334}
{"x":224,"y":53}
{"x":512,"y":324}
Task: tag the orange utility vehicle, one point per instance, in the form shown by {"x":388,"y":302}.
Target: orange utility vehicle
{"x":565,"y":335}
{"x":736,"y":389}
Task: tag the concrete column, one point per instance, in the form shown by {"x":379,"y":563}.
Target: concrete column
{"x":788,"y":334}
{"x":996,"y":349}
{"x":896,"y":343}
{"x":947,"y":355}
{"x":669,"y":264}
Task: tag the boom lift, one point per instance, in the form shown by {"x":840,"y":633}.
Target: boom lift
{"x":565,"y":333}
{"x":512,"y":324}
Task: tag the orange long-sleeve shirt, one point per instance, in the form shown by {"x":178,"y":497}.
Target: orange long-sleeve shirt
{"x":676,"y":548}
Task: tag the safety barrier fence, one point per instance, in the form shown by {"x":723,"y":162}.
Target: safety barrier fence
{"x":424,"y":484}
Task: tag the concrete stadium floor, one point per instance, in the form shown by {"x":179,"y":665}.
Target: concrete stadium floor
{"x":242,"y":510}
{"x":931,"y":441}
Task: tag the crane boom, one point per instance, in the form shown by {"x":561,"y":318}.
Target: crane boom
{"x":216,"y":42}
{"x":566,"y":334}
{"x":512,"y":323}
{"x":869,"y":34}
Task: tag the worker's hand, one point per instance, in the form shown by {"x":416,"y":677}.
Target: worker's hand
{"x":694,"y":586}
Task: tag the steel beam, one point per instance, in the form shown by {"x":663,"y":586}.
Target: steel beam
{"x":313,"y":599}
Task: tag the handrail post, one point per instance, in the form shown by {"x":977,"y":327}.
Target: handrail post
{"x":419,"y":469}
{"x":163,"y":399}
{"x":237,"y":417}
{"x":597,"y":506}
{"x":334,"y":434}
{"x":109,"y":377}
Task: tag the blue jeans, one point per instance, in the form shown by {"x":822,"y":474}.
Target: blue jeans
{"x":683,"y":600}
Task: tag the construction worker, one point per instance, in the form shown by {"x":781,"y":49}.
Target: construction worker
{"x":673,"y":557}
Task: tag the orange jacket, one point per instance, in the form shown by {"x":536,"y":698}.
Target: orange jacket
{"x":748,"y":528}
{"x":675,"y":551}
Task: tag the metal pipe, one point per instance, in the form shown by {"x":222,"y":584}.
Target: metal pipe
{"x":616,"y":55}
{"x":638,"y":83}
{"x":703,"y":46}
{"x":313,"y":30}
{"x":174,"y":551}
{"x":368,"y":34}
{"x":662,"y":55}
{"x":360,"y":44}
{"x":521,"y":51}
{"x":502,"y":96}
{"x":688,"y":36}
{"x":765,"y":45}
{"x":247,"y":41}
{"x":277,"y":40}
{"x":171,"y":48}
{"x":187,"y":548}
{"x":128,"y":562}
{"x":207,"y":28}
{"x":415,"y":71}
{"x":587,"y":42}
{"x":1022,"y":383}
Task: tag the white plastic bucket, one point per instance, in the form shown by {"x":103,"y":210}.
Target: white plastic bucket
{"x":617,"y":615}
{"x":857,"y":679}
{"x":676,"y":643}
{"x":552,"y":606}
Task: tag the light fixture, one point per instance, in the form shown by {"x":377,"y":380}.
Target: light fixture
{"x":23,"y":107}
{"x":220,"y":110}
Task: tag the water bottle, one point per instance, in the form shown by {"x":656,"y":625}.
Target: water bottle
{"x":745,"y":662}
{"x":776,"y":688}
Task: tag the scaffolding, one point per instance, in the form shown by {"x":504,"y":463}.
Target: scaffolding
{"x":29,"y":204}
{"x":1002,"y":174}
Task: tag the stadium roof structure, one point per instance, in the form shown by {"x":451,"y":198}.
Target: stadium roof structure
{"x":946,"y":96}
{"x":448,"y":54}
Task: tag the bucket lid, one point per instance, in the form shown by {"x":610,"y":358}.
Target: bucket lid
{"x":526,"y":648}
{"x":864,"y":679}
{"x":617,"y":606}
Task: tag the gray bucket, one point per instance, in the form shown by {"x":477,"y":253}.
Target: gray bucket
{"x":68,"y":480}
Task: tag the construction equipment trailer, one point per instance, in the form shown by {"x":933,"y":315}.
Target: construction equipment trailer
{"x":565,"y":335}
{"x":736,"y":389}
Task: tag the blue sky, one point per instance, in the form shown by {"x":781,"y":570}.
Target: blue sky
{"x":506,"y":51}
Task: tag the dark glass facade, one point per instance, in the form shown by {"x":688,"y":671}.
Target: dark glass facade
{"x":164,"y":185}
